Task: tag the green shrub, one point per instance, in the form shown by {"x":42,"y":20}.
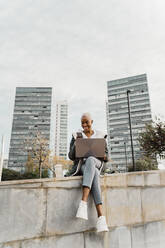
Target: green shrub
{"x":8,"y":174}
{"x":144,"y":164}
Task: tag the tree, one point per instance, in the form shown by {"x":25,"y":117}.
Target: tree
{"x":61,"y":160}
{"x":38,"y":153}
{"x":29,"y":166}
{"x":152,"y":140}
{"x":40,"y":157}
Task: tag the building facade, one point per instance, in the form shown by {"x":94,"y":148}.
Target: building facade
{"x":118,"y":126}
{"x":5,"y":163}
{"x":61,"y":129}
{"x":32,"y":114}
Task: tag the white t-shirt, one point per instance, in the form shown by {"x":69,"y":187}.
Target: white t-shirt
{"x":96,"y":134}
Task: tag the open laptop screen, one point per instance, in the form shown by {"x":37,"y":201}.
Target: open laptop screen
{"x":90,"y":147}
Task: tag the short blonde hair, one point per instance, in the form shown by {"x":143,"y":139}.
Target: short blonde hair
{"x":86,"y":115}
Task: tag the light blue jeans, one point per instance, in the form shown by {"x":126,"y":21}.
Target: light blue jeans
{"x":91,"y":177}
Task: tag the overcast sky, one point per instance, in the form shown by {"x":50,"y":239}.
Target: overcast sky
{"x":76,"y":46}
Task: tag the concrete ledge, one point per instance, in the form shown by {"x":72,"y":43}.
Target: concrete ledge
{"x":42,"y":180}
{"x":131,"y":179}
{"x":116,"y":180}
{"x":41,"y":212}
{"x":67,"y":184}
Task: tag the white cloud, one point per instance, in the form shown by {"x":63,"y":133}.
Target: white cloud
{"x":76,"y":47}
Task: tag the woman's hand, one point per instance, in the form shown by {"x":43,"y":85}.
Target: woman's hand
{"x":105,"y":158}
{"x":79,"y":135}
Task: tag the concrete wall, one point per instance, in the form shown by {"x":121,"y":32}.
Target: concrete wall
{"x":40,"y":213}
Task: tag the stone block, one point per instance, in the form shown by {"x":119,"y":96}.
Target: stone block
{"x":93,"y":239}
{"x":123,"y":206}
{"x":162,"y":178}
{"x":138,"y":237}
{"x":69,"y":241}
{"x":120,"y":237}
{"x":152,"y":179}
{"x":62,"y":205}
{"x":115,"y":180}
{"x":155,"y":234}
{"x":22,"y":213}
{"x":150,"y":235}
{"x":10,"y":245}
{"x":135,"y":179}
{"x":153,"y":204}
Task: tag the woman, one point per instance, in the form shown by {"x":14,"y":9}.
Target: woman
{"x":90,"y":168}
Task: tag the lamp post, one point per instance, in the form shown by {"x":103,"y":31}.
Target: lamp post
{"x":1,"y":157}
{"x":130,"y":128}
{"x":125,"y":149}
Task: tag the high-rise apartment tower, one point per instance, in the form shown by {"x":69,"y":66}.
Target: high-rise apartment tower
{"x":118,"y":126}
{"x":61,"y":129}
{"x":32,"y":114}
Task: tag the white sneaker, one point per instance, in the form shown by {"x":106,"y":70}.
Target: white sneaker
{"x":82,"y":210}
{"x":101,"y":224}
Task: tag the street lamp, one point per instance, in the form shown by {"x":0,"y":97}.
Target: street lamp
{"x":130,"y":128}
{"x":125,"y":149}
{"x":1,"y":158}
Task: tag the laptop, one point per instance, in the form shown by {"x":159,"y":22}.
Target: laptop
{"x":86,"y":147}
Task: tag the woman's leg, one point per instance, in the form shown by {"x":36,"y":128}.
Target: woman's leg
{"x":96,"y":192}
{"x":99,"y":210}
{"x":101,"y":225}
{"x":88,"y":170}
{"x":91,"y":182}
{"x":86,"y":192}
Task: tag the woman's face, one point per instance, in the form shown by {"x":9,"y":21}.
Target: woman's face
{"x":86,"y":123}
